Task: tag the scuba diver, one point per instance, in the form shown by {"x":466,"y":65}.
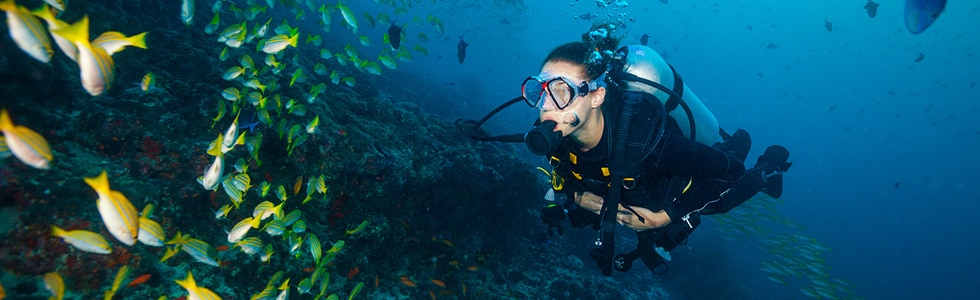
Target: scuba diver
{"x":624,"y":148}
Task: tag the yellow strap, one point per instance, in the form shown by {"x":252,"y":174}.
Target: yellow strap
{"x":557,"y":183}
{"x":689,"y":183}
{"x":573,"y":158}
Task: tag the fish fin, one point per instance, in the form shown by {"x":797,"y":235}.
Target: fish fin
{"x":215,"y":149}
{"x":99,"y":183}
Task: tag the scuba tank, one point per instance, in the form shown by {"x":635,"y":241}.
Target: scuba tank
{"x":695,"y":120}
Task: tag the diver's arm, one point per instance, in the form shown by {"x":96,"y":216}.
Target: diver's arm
{"x":651,"y":220}
{"x":682,"y":156}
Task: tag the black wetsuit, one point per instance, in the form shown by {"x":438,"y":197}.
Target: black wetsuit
{"x":683,"y":177}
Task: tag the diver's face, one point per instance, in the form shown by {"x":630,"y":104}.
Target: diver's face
{"x":577,"y":111}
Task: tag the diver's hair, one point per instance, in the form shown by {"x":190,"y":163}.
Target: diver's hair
{"x":594,"y":51}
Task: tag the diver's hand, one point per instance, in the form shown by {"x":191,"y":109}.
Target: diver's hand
{"x":593,"y":203}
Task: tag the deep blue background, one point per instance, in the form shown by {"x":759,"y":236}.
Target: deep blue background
{"x":884,"y":148}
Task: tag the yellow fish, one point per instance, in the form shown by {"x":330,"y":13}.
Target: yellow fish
{"x":27,"y":32}
{"x":55,"y":284}
{"x":97,"y":67}
{"x":149,"y":80}
{"x":117,"y":212}
{"x":194,"y":291}
{"x":151,"y":233}
{"x":83,"y":240}
{"x":212,"y":177}
{"x":279,"y":42}
{"x":112,"y":41}
{"x":26,"y":144}
{"x":66,"y":46}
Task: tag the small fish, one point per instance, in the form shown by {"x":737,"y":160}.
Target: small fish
{"x":279,"y":42}
{"x":349,"y":18}
{"x":223,"y":56}
{"x":117,"y":212}
{"x":920,"y":57}
{"x":461,"y":49}
{"x":83,"y":240}
{"x":53,"y":283}
{"x":139,"y":280}
{"x":241,"y":229}
{"x":187,"y":12}
{"x":212,"y":176}
{"x":121,"y":276}
{"x":255,"y":84}
{"x":265,"y":209}
{"x":250,"y":245}
{"x":231,"y":136}
{"x":298,"y":76}
{"x":311,"y":127}
{"x":57,"y":4}
{"x":316,"y":40}
{"x":360,"y":227}
{"x":264,"y":29}
{"x":213,"y":25}
{"x":438,"y":282}
{"x":920,"y":14}
{"x":66,"y":46}
{"x":96,"y":66}
{"x":194,"y":291}
{"x":26,"y":144}
{"x":872,"y":8}
{"x":407,"y":281}
{"x":201,"y":251}
{"x":337,"y":246}
{"x":151,"y":233}
{"x":828,"y":25}
{"x":299,"y":226}
{"x":388,"y":61}
{"x":371,"y":67}
{"x":315,"y":247}
{"x":395,"y":36}
{"x":644,"y":39}
{"x":356,"y":290}
{"x":275,"y":227}
{"x":267,"y":252}
{"x":148,"y":82}
{"x":27,"y":31}
{"x":233,"y":73}
{"x":112,"y":41}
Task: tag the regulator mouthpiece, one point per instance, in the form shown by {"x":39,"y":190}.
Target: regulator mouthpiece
{"x":543,"y":138}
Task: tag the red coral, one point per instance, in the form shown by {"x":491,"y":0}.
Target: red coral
{"x":339,"y":209}
{"x":151,"y":148}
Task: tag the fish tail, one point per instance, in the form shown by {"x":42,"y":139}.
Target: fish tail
{"x":138,"y":40}
{"x":99,"y":183}
{"x":5,"y":122}
{"x":8,"y":5}
{"x":57,"y":231}
{"x":76,"y":32}
{"x":43,"y":12}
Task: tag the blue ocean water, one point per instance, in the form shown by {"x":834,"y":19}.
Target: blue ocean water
{"x":879,"y":123}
